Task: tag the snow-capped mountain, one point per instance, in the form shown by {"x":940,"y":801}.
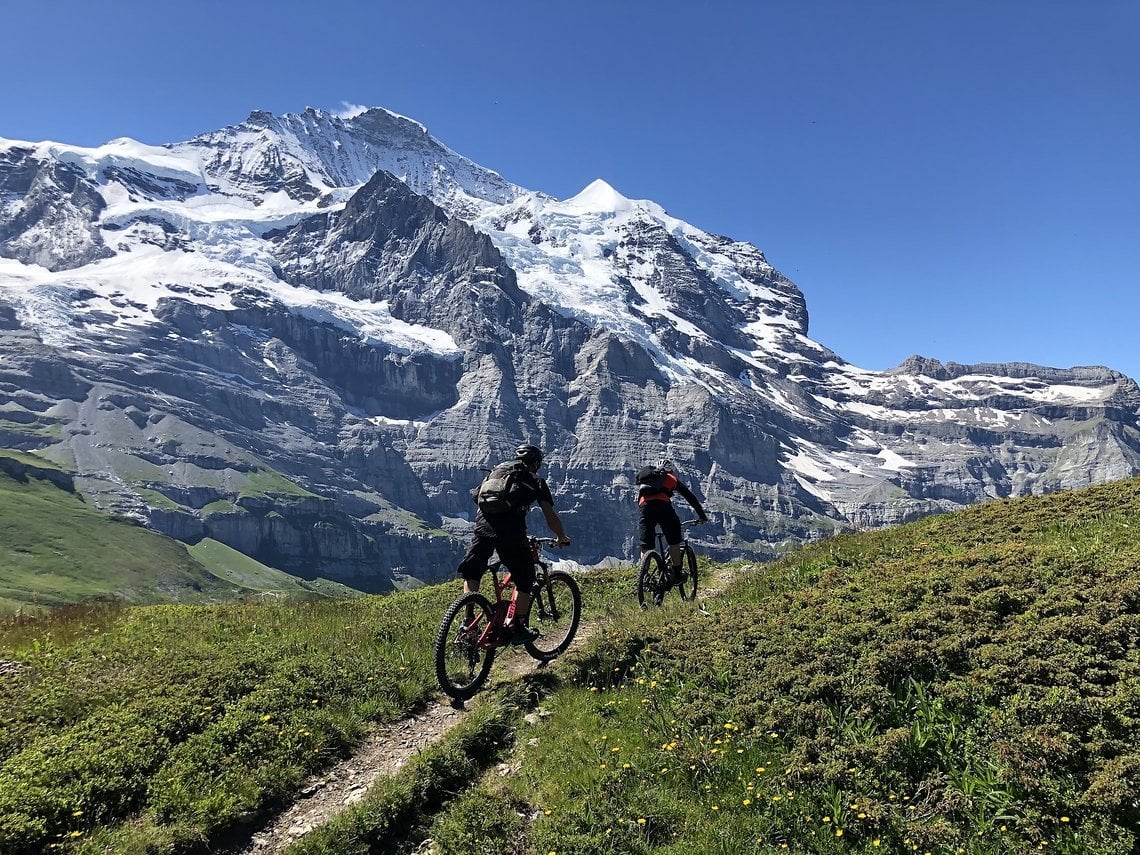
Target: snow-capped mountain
{"x":303,"y":335}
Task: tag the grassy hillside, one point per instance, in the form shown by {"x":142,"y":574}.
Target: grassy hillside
{"x":55,"y":550}
{"x":137,"y":727}
{"x":964,"y":684}
{"x":967,"y":683}
{"x":251,"y":575}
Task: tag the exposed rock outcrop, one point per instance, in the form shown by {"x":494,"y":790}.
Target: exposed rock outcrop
{"x":363,"y":319}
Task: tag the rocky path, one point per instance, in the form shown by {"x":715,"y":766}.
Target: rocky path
{"x":388,"y":748}
{"x":325,"y":795}
{"x":382,"y":753}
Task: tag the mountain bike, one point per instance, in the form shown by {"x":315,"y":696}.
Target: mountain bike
{"x":654,"y":579}
{"x":472,"y":630}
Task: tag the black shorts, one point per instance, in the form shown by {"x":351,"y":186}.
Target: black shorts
{"x":656,"y":513}
{"x":510,"y":541}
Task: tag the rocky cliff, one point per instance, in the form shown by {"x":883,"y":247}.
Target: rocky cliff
{"x":304,"y":336}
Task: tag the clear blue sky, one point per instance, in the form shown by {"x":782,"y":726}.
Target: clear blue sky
{"x":959,"y":180}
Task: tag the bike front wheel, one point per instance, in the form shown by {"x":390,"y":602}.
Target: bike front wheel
{"x":555,"y":613}
{"x":687,"y":587}
{"x":461,"y":664}
{"x":652,"y":580}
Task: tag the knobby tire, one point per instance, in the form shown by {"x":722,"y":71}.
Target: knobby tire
{"x":688,"y":586}
{"x":461,"y":665}
{"x":651,"y":580}
{"x":555,"y":613}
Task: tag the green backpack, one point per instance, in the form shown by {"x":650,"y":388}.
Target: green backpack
{"x":505,"y":490}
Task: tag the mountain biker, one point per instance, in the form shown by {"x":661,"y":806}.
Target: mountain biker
{"x":656,"y":485}
{"x":505,"y":532}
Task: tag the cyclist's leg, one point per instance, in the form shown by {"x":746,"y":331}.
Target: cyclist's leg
{"x":671,"y":527}
{"x":474,"y":563}
{"x":515,"y":553}
{"x":646,"y":525}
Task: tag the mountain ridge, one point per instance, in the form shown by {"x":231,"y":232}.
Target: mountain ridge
{"x":345,"y":307}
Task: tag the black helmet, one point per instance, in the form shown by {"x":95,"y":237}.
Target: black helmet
{"x":529,"y":455}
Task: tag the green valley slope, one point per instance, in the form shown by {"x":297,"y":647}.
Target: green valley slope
{"x":968,"y":683}
{"x":55,"y":550}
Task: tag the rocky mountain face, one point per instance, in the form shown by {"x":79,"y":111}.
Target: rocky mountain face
{"x":303,"y":336}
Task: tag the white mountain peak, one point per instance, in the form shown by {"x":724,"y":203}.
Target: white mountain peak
{"x":599,"y":197}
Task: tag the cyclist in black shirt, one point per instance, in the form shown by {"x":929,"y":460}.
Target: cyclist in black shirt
{"x":505,"y":532}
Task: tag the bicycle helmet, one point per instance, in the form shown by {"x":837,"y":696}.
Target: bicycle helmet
{"x":666,"y":465}
{"x":529,"y":454}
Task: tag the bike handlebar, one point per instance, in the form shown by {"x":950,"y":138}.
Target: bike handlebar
{"x":693,"y":522}
{"x":545,"y":541}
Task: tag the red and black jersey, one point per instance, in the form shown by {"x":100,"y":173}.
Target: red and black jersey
{"x":662,"y":492}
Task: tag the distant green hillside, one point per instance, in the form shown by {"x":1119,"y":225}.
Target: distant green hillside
{"x":55,"y":549}
{"x":248,"y":574}
{"x":964,"y":685}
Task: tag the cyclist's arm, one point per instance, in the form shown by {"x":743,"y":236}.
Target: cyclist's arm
{"x":553,"y":522}
{"x":693,"y":501}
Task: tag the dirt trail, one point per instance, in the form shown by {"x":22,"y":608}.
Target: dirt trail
{"x":323,"y":796}
{"x":389,"y":747}
{"x":716,"y":584}
{"x":382,"y":753}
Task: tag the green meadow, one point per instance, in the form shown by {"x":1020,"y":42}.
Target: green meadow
{"x":57,"y":550}
{"x":968,"y":683}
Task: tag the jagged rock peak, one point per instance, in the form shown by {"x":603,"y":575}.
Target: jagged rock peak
{"x":927,"y":367}
{"x":319,"y":154}
{"x":923,"y":365}
{"x":377,"y":122}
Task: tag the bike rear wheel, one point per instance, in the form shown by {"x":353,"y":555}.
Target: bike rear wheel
{"x":461,"y":665}
{"x":652,"y":580}
{"x":687,"y":587}
{"x":555,"y":613}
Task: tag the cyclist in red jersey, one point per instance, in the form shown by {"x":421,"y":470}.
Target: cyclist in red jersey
{"x":656,"y":485}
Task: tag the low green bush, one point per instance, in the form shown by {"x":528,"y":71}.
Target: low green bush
{"x":126,"y":726}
